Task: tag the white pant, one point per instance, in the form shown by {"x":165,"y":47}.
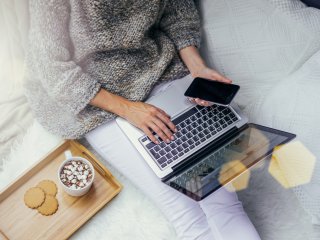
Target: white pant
{"x":219,"y":216}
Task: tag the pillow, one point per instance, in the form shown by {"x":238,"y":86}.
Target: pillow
{"x":258,"y":42}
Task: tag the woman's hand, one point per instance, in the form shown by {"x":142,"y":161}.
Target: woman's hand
{"x":150,"y":119}
{"x":142,"y":115}
{"x":197,"y":67}
{"x":207,"y":73}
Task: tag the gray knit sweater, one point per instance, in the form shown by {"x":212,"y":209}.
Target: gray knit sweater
{"x":77,"y":47}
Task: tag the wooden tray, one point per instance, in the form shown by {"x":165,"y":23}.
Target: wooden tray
{"x":17,"y":221}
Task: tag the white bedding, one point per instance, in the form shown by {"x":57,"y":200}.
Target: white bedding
{"x":258,"y":43}
{"x":15,"y":115}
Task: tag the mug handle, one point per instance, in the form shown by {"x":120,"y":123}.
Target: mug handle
{"x":68,"y":154}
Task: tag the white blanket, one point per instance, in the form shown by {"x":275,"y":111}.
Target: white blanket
{"x":245,"y":25}
{"x":15,"y":115}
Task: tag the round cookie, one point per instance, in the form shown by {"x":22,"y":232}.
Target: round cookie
{"x":49,"y":207}
{"x":34,"y":197}
{"x":49,"y":187}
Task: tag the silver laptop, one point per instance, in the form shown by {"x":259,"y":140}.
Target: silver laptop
{"x":207,"y":139}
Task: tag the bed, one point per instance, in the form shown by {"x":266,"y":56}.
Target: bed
{"x":270,"y":47}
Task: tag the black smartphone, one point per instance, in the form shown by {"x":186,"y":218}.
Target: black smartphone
{"x":213,"y":91}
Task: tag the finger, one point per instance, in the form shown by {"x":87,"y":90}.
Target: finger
{"x":200,"y":102}
{"x":168,"y":122}
{"x":217,"y":76}
{"x":150,"y":135}
{"x":159,"y":132}
{"x":191,"y":100}
{"x":164,"y":129}
{"x":163,"y":112}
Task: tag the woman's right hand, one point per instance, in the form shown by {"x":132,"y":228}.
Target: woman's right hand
{"x":142,"y":115}
{"x":150,"y":119}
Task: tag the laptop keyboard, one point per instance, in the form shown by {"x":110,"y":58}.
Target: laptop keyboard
{"x":195,"y":127}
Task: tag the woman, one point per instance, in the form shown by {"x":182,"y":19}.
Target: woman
{"x":91,"y":61}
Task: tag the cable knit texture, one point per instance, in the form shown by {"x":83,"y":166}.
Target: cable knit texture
{"x":77,"y":47}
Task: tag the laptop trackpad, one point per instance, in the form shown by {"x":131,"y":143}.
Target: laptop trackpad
{"x":172,"y":100}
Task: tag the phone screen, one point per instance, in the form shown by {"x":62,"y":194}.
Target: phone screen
{"x":212,"y":91}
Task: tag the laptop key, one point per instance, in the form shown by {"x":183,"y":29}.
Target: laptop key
{"x":174,"y":152}
{"x":189,"y":135}
{"x":181,"y":154}
{"x":161,"y":160}
{"x":180,"y":149}
{"x":202,"y":139}
{"x":167,"y":148}
{"x":162,"y":152}
{"x":153,"y":152}
{"x":157,"y":148}
{"x":163,"y":165}
{"x":150,"y":145}
{"x":190,"y":141}
{"x":195,"y":138}
{"x":192,"y":146}
{"x":206,"y":132}
{"x":197,"y":143}
{"x":169,"y":156}
{"x":173,"y":145}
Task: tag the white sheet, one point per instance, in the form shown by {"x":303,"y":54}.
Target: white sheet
{"x":15,"y":115}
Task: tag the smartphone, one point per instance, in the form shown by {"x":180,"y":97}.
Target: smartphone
{"x":213,"y":91}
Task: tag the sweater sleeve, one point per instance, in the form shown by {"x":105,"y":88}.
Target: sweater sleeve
{"x":181,"y":23}
{"x":50,"y":56}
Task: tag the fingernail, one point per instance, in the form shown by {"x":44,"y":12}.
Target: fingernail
{"x":168,"y":141}
{"x":157,"y":142}
{"x":172,"y":138}
{"x":176,"y":130}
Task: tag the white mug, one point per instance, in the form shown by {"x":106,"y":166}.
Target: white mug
{"x":70,"y":191}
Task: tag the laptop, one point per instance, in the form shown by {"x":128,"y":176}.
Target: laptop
{"x":212,"y":147}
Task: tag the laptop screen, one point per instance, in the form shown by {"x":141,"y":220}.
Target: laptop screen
{"x":225,"y":163}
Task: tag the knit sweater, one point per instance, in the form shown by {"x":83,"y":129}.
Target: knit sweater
{"x":124,"y":46}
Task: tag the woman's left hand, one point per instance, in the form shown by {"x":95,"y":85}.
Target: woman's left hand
{"x":210,"y":74}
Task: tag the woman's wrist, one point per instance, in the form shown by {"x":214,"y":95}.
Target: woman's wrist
{"x":192,"y":59}
{"x":111,"y":103}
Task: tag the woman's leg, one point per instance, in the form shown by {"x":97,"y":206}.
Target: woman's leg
{"x":221,"y":209}
{"x":225,"y":212}
{"x":186,"y":216}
